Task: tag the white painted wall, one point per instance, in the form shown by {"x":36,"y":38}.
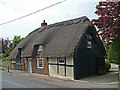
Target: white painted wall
{"x":69,"y":70}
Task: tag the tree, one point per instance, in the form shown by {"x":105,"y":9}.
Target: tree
{"x":15,"y":41}
{"x":108,"y":20}
{"x":12,"y":45}
{"x":108,"y":27}
{"x":114,"y":51}
{"x":5,"y":44}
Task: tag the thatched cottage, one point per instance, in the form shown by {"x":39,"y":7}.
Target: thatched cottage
{"x":69,"y":49}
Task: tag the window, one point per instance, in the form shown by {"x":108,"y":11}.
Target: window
{"x":89,"y":44}
{"x":20,"y":61}
{"x":40,"y":63}
{"x":89,"y":37}
{"x":40,"y":48}
{"x":61,"y":60}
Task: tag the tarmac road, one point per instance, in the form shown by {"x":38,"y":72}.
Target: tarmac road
{"x":12,"y":80}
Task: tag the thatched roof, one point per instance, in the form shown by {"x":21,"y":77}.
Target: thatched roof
{"x":58,"y":40}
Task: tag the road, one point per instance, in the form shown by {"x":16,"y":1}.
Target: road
{"x":10,"y":80}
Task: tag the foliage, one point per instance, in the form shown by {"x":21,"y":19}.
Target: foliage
{"x":109,"y":18}
{"x":106,"y":45}
{"x":107,"y":65}
{"x":5,"y":44}
{"x":2,"y":68}
{"x":5,"y":59}
{"x":14,"y":43}
{"x":114,"y":51}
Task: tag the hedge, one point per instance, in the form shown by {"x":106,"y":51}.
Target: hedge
{"x":114,"y":51}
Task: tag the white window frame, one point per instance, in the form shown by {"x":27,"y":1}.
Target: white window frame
{"x":89,"y":44}
{"x":38,"y":62}
{"x":40,"y":48}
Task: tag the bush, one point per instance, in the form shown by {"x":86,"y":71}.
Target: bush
{"x":107,"y":65}
{"x":114,"y":51}
{"x":5,"y":59}
{"x":2,"y":69}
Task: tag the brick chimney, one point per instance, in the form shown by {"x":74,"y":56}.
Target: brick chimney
{"x":43,"y":24}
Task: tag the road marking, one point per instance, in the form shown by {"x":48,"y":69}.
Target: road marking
{"x":14,"y":83}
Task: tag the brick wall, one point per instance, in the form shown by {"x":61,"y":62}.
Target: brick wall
{"x":43,"y":70}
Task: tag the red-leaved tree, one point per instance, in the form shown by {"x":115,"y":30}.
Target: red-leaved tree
{"x":108,"y":22}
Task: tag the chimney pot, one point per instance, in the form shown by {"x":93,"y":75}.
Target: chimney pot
{"x":43,"y":24}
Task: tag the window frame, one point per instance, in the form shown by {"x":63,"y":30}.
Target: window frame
{"x":40,"y":47}
{"x":61,"y":59}
{"x":38,"y":62}
{"x":89,"y":44}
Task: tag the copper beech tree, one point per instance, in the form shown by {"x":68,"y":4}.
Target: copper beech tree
{"x":108,"y":22}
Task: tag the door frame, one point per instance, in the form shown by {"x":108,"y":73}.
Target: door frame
{"x":30,"y":65}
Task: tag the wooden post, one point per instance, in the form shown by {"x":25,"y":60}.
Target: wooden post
{"x":8,"y":68}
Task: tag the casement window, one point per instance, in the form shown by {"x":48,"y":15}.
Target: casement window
{"x":40,"y":48}
{"x":61,"y":60}
{"x":89,"y":44}
{"x":20,"y":61}
{"x":39,"y":62}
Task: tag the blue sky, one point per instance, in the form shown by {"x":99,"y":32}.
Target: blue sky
{"x":12,"y":9}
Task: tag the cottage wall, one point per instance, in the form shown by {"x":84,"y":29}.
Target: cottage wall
{"x":61,"y":70}
{"x":35,"y":69}
{"x":25,"y":64}
{"x":89,"y":61}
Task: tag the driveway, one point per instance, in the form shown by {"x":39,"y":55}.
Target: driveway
{"x":110,"y":78}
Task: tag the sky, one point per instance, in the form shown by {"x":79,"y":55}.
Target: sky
{"x":12,"y":9}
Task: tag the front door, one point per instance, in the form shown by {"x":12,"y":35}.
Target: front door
{"x":29,"y":65}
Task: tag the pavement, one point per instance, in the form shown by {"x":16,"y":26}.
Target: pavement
{"x":110,"y":78}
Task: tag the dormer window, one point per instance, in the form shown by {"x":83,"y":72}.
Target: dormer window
{"x":40,"y":48}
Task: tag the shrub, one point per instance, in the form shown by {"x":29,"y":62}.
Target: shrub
{"x":107,"y":65}
{"x":114,"y":51}
{"x":2,"y":69}
{"x":5,"y":59}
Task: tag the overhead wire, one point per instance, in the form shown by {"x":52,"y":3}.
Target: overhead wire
{"x":32,"y":13}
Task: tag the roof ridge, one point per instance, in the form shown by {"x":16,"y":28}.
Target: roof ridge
{"x":68,"y":22}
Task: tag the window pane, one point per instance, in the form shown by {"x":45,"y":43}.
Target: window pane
{"x":40,"y":63}
{"x":62,"y":60}
{"x":40,"y":48}
{"x":89,"y":44}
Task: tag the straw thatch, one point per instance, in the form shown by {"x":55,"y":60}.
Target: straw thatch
{"x":58,"y":40}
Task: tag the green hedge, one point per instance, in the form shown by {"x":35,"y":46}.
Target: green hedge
{"x":114,"y":51}
{"x":107,"y":65}
{"x":5,"y":59}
